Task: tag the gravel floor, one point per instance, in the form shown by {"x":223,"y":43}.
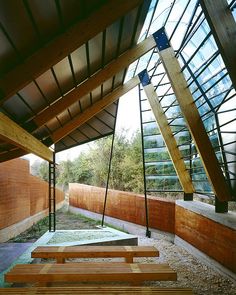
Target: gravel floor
{"x":191,"y":272}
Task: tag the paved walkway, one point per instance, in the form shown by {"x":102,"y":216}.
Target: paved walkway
{"x":9,"y":252}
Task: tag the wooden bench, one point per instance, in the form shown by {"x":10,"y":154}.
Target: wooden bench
{"x":61,"y":253}
{"x":96,"y":290}
{"x":90,"y":272}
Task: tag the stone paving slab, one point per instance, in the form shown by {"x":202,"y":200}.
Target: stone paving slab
{"x":11,"y":251}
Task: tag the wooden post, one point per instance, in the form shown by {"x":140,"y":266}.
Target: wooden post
{"x":166,"y":132}
{"x":192,"y":117}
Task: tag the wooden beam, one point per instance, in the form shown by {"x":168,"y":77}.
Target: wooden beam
{"x":12,"y":154}
{"x":192,"y":117}
{"x":94,"y":109}
{"x":96,"y":80}
{"x":223,"y":27}
{"x":166,"y":132}
{"x":14,"y":134}
{"x":62,"y":45}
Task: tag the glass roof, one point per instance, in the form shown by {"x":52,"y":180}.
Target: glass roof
{"x":211,"y":88}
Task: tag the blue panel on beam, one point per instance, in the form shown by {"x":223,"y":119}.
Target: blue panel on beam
{"x":144,"y":78}
{"x":161,"y":39}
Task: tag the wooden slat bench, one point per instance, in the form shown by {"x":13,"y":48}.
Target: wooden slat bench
{"x":96,"y":290}
{"x":62,"y":253}
{"x":90,"y":272}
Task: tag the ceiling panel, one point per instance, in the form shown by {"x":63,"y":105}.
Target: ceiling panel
{"x":27,"y":26}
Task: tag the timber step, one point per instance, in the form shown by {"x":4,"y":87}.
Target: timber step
{"x":90,"y":272}
{"x":130,"y":290}
{"x":62,"y":253}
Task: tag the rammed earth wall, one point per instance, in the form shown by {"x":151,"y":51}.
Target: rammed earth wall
{"x":193,"y":222}
{"x":21,"y":195}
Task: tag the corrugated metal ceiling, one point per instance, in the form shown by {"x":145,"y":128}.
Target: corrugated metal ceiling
{"x":28,"y":26}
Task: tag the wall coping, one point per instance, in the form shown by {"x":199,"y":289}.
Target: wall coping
{"x":227,"y":219}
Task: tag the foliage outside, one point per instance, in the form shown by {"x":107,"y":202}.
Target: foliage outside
{"x":91,"y":167}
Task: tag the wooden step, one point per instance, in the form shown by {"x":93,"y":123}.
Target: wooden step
{"x":130,"y":290}
{"x":90,"y":272}
{"x":128,"y":252}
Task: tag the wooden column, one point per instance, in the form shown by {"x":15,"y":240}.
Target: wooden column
{"x":192,"y":117}
{"x":166,"y":132}
{"x":223,"y":27}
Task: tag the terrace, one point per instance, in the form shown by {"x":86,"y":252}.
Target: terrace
{"x":64,"y":66}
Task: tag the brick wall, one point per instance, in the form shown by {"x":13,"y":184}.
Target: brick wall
{"x":21,"y":194}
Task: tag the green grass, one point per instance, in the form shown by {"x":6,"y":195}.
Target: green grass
{"x":97,"y":222}
{"x":33,"y":233}
{"x":39,"y":228}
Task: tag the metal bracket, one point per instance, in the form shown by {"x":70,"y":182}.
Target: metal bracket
{"x":144,"y":78}
{"x":161,"y":39}
{"x":188,"y":196}
{"x":221,"y":207}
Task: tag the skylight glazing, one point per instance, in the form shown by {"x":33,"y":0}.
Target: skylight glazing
{"x":211,"y":88}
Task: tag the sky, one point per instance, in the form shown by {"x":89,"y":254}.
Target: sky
{"x":128,"y":118}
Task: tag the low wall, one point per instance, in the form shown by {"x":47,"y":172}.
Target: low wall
{"x":21,"y":194}
{"x":124,"y":205}
{"x":212,"y":233}
{"x":195,"y":222}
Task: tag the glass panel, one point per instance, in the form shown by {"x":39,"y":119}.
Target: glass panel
{"x":150,"y":129}
{"x":162,"y":183}
{"x":212,"y":91}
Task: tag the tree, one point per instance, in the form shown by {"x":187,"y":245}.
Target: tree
{"x":44,"y":170}
{"x":132,"y":167}
{"x":82,"y":170}
{"x":65,"y":173}
{"x":35,"y":167}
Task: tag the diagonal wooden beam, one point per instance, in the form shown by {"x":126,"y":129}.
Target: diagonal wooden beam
{"x":96,"y":80}
{"x":192,"y":117}
{"x":62,"y":45}
{"x":94,"y":109}
{"x":14,"y":134}
{"x":223,"y":27}
{"x":166,"y":132}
